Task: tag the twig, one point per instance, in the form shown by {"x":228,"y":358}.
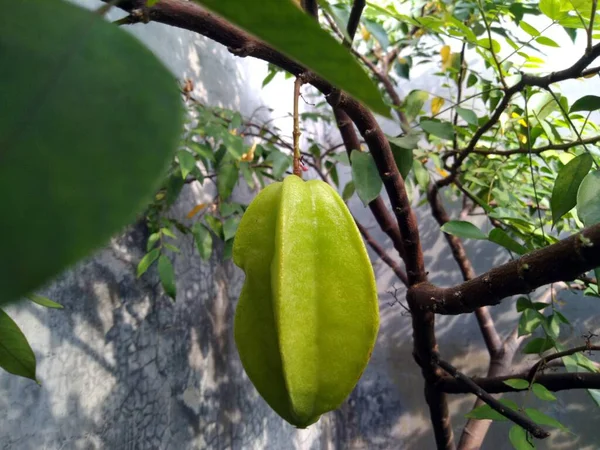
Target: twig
{"x":296,"y":133}
{"x":512,"y":415}
{"x":354,"y":20}
{"x":542,"y":362}
{"x":590,"y":30}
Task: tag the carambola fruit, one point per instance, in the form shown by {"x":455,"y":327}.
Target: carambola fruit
{"x":308,"y":314}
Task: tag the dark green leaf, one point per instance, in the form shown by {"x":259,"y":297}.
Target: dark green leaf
{"x":500,"y":237}
{"x":543,"y":419}
{"x":166,"y":274}
{"x":287,"y":28}
{"x":147,"y":261}
{"x":518,"y":438}
{"x":529,"y":321}
{"x":523,"y":303}
{"x":366,"y":177}
{"x":403,"y":158}
{"x":16,"y":355}
{"x":463,"y":229}
{"x":174,"y":186}
{"x":228,"y":250}
{"x":542,"y":393}
{"x":215,"y":225}
{"x":227,"y":176}
{"x":348,"y":191}
{"x":203,"y":240}
{"x":44,"y":301}
{"x":586,"y":103}
{"x":402,"y":68}
{"x":568,"y":180}
{"x":588,"y":200}
{"x":70,"y":118}
{"x":538,"y":345}
{"x":443,"y":130}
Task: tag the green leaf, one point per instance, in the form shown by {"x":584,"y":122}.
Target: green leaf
{"x":348,"y":191}
{"x":421,"y":174}
{"x":187,"y":162}
{"x":517,"y":383}
{"x":16,"y":355}
{"x":147,"y":261}
{"x":152,"y":240}
{"x":174,"y":186}
{"x":543,"y":40}
{"x":529,"y":29}
{"x":518,"y":438}
{"x":168,"y":232}
{"x":93,"y":129}
{"x":484,"y":412}
{"x":269,"y":78}
{"x":413,"y":103}
{"x":523,"y":303}
{"x":228,"y":250}
{"x":551,"y":8}
{"x":467,"y":115}
{"x":538,"y":345}
{"x":288,"y":29}
{"x":588,"y":200}
{"x":172,"y":248}
{"x":378,"y":33}
{"x":542,"y":393}
{"x":443,"y":130}
{"x":230,"y":227}
{"x":543,"y":419}
{"x":500,"y":237}
{"x":568,"y":180}
{"x":463,"y":229}
{"x":403,"y":158}
{"x":489,"y":44}
{"x":407,"y":142}
{"x":366,"y":177}
{"x":203,"y":240}
{"x":215,"y":225}
{"x":281,"y":162}
{"x":166,"y":274}
{"x":586,"y":103}
{"x":529,"y":321}
{"x":227,"y":176}
{"x":44,"y":301}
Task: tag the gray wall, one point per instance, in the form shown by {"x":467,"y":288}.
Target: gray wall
{"x":123,"y":367}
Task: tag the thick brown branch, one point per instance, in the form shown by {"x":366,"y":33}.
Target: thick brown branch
{"x":382,"y":253}
{"x":484,"y":319}
{"x":563,"y":261}
{"x":474,"y":388}
{"x":552,"y":381}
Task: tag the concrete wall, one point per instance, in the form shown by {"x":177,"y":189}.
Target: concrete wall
{"x":123,"y":367}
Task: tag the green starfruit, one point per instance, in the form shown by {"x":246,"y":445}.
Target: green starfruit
{"x":308,"y":315}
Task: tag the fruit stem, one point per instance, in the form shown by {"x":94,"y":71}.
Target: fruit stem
{"x":296,"y":132}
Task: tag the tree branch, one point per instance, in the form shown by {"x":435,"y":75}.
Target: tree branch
{"x":577,"y":254}
{"x":538,"y":150}
{"x":546,"y":359}
{"x":354,"y":20}
{"x":514,"y":416}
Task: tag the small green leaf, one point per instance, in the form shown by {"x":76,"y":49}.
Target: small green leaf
{"x":403,"y":158}
{"x":538,"y":345}
{"x":543,"y":419}
{"x":215,"y":225}
{"x":366,"y":177}
{"x":517,"y":383}
{"x":490,"y":44}
{"x":588,"y":200}
{"x":413,"y":103}
{"x":16,"y":355}
{"x":71,"y":112}
{"x":463,"y":229}
{"x":529,"y":321}
{"x":543,"y":40}
{"x":518,"y":438}
{"x":44,"y":301}
{"x":147,"y":261}
{"x":467,"y":115}
{"x":529,"y":29}
{"x":281,"y":162}
{"x":408,"y":142}
{"x":269,"y":77}
{"x":203,"y":240}
{"x":288,"y":29}
{"x":341,"y":157}
{"x":523,"y":303}
{"x":586,"y":103}
{"x":500,"y":237}
{"x":443,"y":130}
{"x":228,"y":250}
{"x":348,"y":191}
{"x":421,"y":174}
{"x":187,"y":162}
{"x":152,"y":240}
{"x":168,"y":232}
{"x":172,"y":248}
{"x":166,"y":274}
{"x":230,"y":227}
{"x":485,"y":412}
{"x":542,"y":393}
{"x":568,"y":180}
{"x":227,"y":176}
